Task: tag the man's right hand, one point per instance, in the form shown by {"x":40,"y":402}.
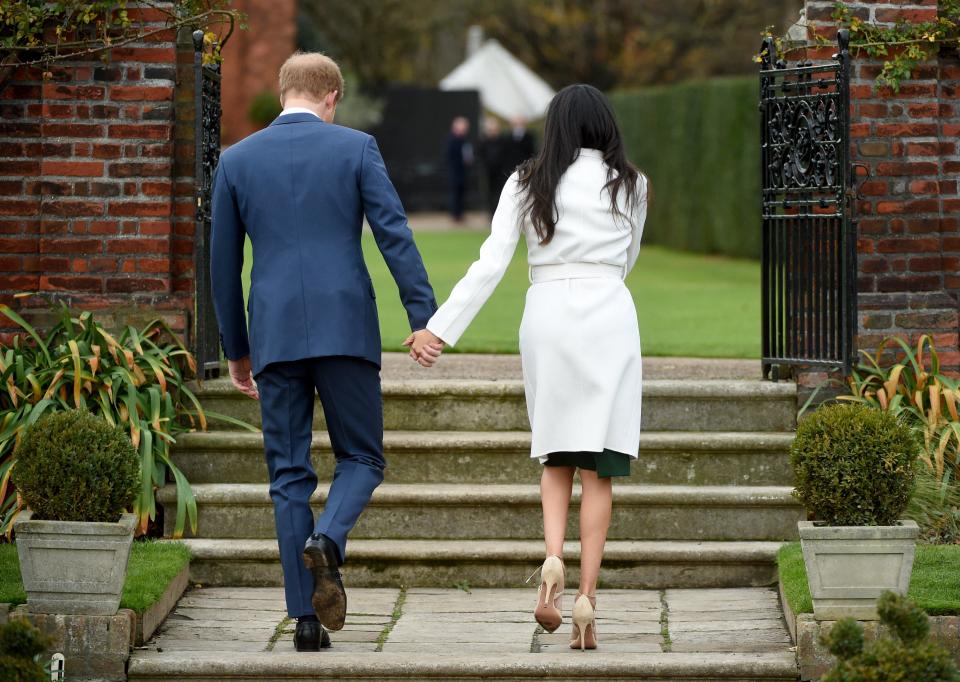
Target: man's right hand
{"x":424,"y":347}
{"x":242,"y":378}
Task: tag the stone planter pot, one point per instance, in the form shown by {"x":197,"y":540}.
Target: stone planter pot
{"x":71,"y":567}
{"x":848,"y":567}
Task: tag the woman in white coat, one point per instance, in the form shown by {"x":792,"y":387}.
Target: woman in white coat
{"x":581,"y":206}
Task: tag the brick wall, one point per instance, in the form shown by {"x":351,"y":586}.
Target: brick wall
{"x":93,"y":209}
{"x":252,"y":60}
{"x":909,"y":233}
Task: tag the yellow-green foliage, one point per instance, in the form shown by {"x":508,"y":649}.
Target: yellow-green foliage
{"x":906,"y":381}
{"x":136,"y":380}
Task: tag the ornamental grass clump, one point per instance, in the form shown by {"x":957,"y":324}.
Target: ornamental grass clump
{"x":137,"y":379}
{"x":906,"y":655}
{"x":906,"y":381}
{"x":854,"y":466}
{"x":74,"y":466}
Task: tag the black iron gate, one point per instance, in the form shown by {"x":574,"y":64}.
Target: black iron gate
{"x":207,"y":150}
{"x":809,"y":295}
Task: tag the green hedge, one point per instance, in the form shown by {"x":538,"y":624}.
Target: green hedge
{"x":699,"y":144}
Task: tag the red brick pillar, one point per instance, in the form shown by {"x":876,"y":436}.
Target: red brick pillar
{"x":88,"y":201}
{"x":906,"y":146}
{"x":253,"y":58}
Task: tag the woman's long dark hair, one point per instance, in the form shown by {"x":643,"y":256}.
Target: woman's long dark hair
{"x":579,"y":117}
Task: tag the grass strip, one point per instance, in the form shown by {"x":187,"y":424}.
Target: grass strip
{"x":394,"y":617}
{"x":687,"y":304}
{"x":152,"y":567}
{"x":934,"y":584}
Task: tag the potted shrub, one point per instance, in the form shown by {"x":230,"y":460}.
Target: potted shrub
{"x":77,"y":476}
{"x":854,"y":468}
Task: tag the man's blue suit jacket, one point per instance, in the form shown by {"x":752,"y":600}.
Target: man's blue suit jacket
{"x":300,"y":189}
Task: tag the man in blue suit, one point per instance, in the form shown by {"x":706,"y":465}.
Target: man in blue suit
{"x":299,"y":190}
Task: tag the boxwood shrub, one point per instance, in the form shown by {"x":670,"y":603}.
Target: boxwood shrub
{"x":854,"y":465}
{"x":904,"y":652}
{"x":74,"y":466}
{"x":20,"y":644}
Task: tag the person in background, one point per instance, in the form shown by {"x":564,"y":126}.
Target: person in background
{"x":459,"y":159}
{"x":491,"y":153}
{"x":520,"y":145}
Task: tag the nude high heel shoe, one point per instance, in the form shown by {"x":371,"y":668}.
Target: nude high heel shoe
{"x":548,"y":612}
{"x":584,"y":623}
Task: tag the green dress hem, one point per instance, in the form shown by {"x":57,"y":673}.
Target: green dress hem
{"x":607,"y":464}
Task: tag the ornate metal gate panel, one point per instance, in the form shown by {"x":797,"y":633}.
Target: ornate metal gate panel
{"x":809,"y":296}
{"x":207,"y":149}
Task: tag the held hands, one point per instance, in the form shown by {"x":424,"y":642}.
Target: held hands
{"x":242,"y":378}
{"x":424,"y":347}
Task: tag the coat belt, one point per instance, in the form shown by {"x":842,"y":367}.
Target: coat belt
{"x":556,"y":271}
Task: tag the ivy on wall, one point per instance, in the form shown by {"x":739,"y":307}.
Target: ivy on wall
{"x":40,"y":32}
{"x":903,"y":46}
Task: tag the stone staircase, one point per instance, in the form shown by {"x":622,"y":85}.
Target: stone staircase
{"x":708,"y":505}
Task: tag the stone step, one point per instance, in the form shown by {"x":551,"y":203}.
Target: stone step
{"x":512,"y":511}
{"x":195,"y":666}
{"x":496,"y":563}
{"x":477,"y":405}
{"x":666,"y":457}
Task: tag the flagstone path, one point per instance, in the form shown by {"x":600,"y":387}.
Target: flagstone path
{"x":480,"y":621}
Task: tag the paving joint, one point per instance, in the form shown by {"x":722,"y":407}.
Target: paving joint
{"x":278,"y":632}
{"x":666,"y":645}
{"x":395,"y":616}
{"x":535,"y":640}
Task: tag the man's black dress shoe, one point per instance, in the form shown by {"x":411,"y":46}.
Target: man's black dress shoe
{"x":310,"y":636}
{"x":329,"y":598}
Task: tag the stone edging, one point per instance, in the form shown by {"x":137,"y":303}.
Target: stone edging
{"x":142,"y":625}
{"x":146,"y":624}
{"x":99,"y":646}
{"x":814,"y":660}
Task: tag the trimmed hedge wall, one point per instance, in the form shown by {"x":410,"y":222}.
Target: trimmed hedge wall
{"x":698,"y":142}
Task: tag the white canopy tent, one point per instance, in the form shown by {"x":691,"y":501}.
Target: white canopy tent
{"x":507,"y":87}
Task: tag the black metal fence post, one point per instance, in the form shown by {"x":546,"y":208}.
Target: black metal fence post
{"x":207,"y":153}
{"x":849,"y":213}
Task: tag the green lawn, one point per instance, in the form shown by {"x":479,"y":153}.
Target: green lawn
{"x":934,"y":585}
{"x":151,"y":567}
{"x":688,"y":304}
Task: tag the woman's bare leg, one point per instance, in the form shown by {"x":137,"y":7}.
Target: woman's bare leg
{"x":556,"y":487}
{"x":596,"y":504}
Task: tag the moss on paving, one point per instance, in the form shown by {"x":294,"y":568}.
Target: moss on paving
{"x":667,"y":643}
{"x":687,"y":304}
{"x":152,"y":566}
{"x":934,"y":585}
{"x":394,"y":617}
{"x":278,"y":631}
